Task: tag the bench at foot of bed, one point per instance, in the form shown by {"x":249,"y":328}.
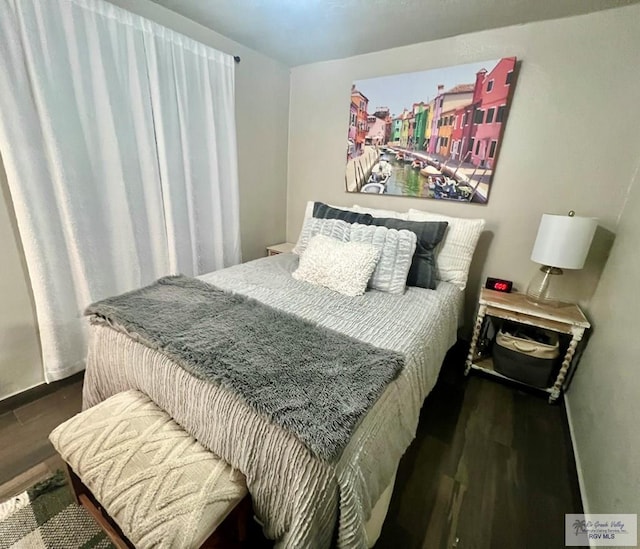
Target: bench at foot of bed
{"x":147,"y":482}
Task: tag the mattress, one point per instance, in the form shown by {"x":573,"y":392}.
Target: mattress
{"x":298,"y":497}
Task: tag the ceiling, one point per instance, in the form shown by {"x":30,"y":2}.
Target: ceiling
{"x":297,"y":32}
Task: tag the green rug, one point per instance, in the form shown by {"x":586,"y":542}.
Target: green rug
{"x":45,"y":517}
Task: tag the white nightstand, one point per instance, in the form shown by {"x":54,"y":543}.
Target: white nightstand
{"x":284,"y":248}
{"x":566,"y":319}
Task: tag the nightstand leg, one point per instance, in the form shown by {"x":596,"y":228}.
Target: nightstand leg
{"x":482,"y":310}
{"x":566,"y":363}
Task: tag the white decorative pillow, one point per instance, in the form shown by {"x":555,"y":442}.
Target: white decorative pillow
{"x":344,"y":267}
{"x":396,"y":254}
{"x":335,"y":228}
{"x":379,"y":213}
{"x":455,"y":251}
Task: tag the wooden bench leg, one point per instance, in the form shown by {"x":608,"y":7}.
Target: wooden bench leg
{"x":76,"y":485}
{"x":83,"y":496}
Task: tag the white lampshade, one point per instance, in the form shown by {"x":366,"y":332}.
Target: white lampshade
{"x":563,"y":241}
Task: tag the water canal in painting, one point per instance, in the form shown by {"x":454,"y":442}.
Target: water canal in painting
{"x":407,"y":181}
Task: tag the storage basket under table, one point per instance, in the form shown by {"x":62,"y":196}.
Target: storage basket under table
{"x":566,"y":321}
{"x":526,"y":354}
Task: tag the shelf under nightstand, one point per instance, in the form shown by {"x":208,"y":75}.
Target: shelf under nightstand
{"x":567,"y":319}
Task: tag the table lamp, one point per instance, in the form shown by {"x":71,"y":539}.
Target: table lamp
{"x":563,"y":242}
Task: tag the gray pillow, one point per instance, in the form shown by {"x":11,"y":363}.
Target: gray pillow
{"x":429,"y":234}
{"x":322,"y":211}
{"x":396,"y":253}
{"x":334,"y":228}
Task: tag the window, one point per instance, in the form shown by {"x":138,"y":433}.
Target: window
{"x":471,"y":144}
{"x":478,"y":116}
{"x":509,"y":78}
{"x":477,"y":147}
{"x":492,"y":149}
{"x":490,"y":114}
{"x":353,"y":119}
{"x":441,"y":101}
{"x":501,"y":113}
{"x":489,"y":85}
{"x":465,"y":119}
{"x":439,"y":122}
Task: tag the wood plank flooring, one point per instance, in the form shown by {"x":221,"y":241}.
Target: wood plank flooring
{"x":491,"y":466}
{"x":26,"y":455}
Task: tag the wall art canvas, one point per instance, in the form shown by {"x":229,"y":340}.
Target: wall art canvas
{"x":430,"y":134}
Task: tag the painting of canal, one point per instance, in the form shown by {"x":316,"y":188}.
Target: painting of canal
{"x":430,"y":134}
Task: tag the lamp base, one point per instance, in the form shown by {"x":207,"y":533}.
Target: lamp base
{"x":542,"y":289}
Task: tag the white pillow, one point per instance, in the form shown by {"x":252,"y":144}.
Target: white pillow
{"x":377,"y":213}
{"x":335,"y":228}
{"x":396,"y":254}
{"x":344,"y":267}
{"x":455,"y":251}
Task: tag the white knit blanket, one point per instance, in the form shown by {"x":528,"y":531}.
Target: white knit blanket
{"x":298,"y":497}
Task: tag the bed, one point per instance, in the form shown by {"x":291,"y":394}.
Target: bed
{"x":299,"y":498}
{"x":302,"y":499}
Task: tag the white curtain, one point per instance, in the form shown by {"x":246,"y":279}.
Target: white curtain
{"x":118,"y":140}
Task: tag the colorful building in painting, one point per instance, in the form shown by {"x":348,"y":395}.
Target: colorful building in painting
{"x":445,"y":101}
{"x":427,"y":132}
{"x":376,"y":133}
{"x":404,"y":132}
{"x":445,"y":129}
{"x":353,"y":130}
{"x":455,"y":150}
{"x":360,"y":102}
{"x":419,"y":125}
{"x":384,"y":114}
{"x":396,"y":129}
{"x":492,"y":91}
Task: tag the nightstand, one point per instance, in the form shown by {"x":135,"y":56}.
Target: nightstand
{"x":567,"y":319}
{"x":284,"y":248}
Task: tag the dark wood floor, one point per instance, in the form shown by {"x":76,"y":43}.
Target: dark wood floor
{"x":26,"y":455}
{"x":491,"y":466}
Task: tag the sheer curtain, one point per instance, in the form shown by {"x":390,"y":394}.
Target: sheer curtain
{"x":118,"y":139}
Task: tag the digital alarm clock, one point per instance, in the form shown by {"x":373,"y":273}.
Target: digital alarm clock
{"x":498,"y":284}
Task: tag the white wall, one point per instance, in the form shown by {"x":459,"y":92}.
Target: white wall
{"x":570,"y":143}
{"x":262,"y":111}
{"x":604,"y":398}
{"x":20,"y":363}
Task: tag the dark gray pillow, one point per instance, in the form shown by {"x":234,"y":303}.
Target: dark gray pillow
{"x":423,"y":267}
{"x":322,"y":211}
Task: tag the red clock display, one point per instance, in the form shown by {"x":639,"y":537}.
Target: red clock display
{"x":498,"y":284}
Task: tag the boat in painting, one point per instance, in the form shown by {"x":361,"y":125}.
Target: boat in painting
{"x":380,"y":172}
{"x":374,"y":188}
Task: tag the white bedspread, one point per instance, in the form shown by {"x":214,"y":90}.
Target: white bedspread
{"x":298,"y":497}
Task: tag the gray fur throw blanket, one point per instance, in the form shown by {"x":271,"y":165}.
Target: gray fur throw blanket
{"x":312,"y":381}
